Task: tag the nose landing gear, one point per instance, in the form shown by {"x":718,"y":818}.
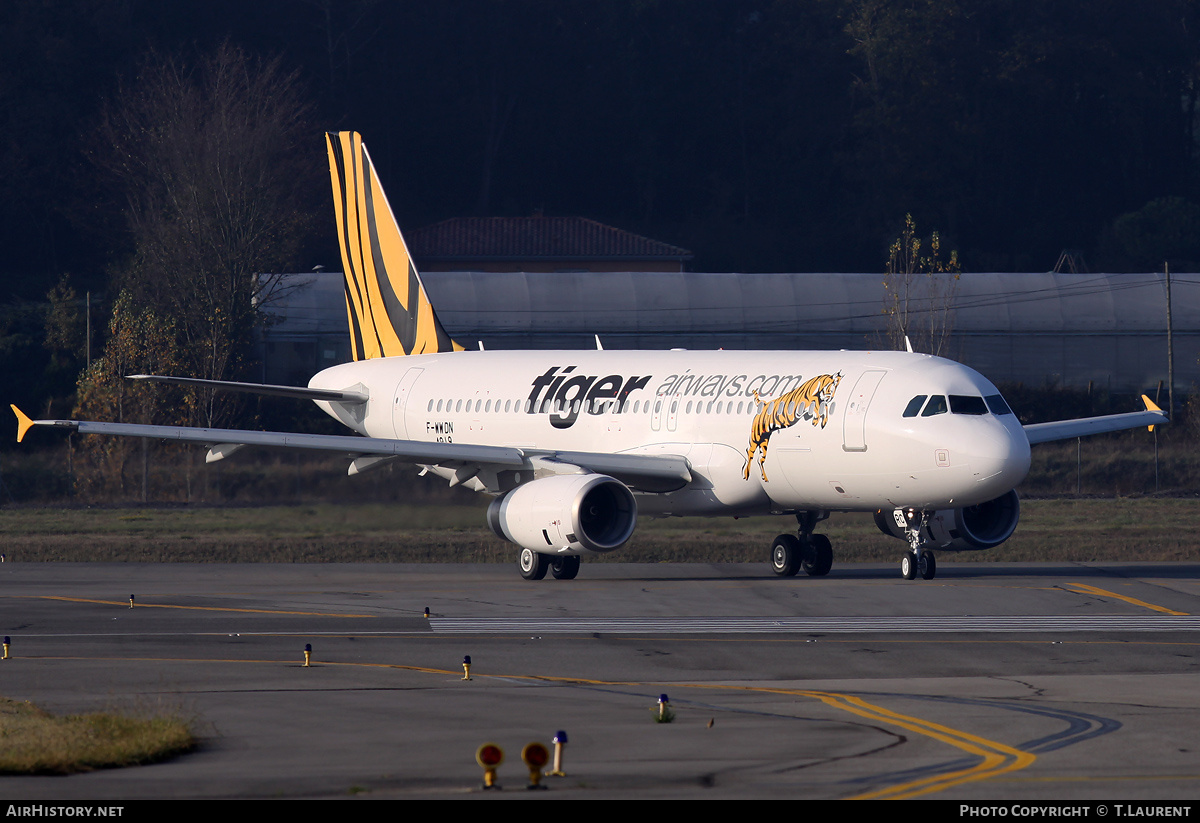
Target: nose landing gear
{"x":917,"y":560}
{"x":923,"y":564}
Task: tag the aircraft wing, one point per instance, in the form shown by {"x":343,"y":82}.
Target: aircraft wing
{"x":642,"y":472}
{"x":1067,"y":429}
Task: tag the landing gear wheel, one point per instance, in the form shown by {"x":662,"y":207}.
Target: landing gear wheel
{"x":533,"y":565}
{"x":785,"y":555}
{"x":819,"y":559}
{"x":565,"y":567}
{"x":908,"y":566}
{"x":927,"y":566}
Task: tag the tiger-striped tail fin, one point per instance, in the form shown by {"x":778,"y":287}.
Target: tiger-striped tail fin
{"x":388,"y":307}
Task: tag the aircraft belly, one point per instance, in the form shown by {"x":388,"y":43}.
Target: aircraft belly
{"x":837,"y":490}
{"x":699,"y":503}
{"x":937,"y":487}
{"x":717,"y":469}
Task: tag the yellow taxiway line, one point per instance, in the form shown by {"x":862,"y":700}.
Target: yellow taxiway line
{"x":1083,"y":588}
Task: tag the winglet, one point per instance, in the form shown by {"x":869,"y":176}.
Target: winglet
{"x":1150,"y":406}
{"x":24,"y":424}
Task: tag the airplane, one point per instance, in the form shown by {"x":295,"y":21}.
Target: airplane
{"x":574,"y":446}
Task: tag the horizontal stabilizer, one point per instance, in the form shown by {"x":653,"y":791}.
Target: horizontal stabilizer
{"x":299,"y":392}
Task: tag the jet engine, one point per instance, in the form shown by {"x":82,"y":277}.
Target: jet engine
{"x":576,"y":512}
{"x":972,"y":528}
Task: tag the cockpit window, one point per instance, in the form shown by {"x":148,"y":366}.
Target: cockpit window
{"x":936,"y":405}
{"x":967,"y":404}
{"x":996,"y":403}
{"x":959,"y":404}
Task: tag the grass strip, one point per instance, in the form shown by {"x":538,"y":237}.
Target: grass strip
{"x":33,"y":741}
{"x":1080,"y":530}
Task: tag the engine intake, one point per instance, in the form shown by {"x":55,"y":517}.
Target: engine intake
{"x":972,"y":528}
{"x":576,"y":512}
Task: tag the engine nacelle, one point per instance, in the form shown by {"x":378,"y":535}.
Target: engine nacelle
{"x":968,"y":529}
{"x":576,"y":512}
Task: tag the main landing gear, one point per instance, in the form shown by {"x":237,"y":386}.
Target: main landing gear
{"x":917,"y":560}
{"x":804,"y":550}
{"x":534,"y":565}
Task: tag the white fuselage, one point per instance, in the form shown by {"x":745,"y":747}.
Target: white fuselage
{"x":838,"y":440}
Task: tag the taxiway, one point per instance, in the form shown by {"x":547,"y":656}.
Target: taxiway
{"x":1044,"y":681}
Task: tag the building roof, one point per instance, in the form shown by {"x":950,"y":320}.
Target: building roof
{"x":1108,"y":330}
{"x":519,"y":238}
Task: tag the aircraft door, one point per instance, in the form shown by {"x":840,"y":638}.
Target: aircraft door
{"x":673,"y":412}
{"x":656,"y":416}
{"x":854,"y":431}
{"x":403,"y":389}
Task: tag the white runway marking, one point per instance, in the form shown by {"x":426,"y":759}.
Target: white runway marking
{"x":814,"y":625}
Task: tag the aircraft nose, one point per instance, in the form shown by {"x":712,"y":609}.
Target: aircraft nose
{"x":1000,"y":460}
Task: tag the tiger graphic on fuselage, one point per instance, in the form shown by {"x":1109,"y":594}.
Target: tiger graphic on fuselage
{"x":811,"y":401}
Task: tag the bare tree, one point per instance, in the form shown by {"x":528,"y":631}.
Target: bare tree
{"x":213,"y":162}
{"x":919,"y":292}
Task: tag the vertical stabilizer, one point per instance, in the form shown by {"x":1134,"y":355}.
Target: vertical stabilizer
{"x":389,"y":311}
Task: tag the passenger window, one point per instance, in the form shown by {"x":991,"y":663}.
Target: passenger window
{"x":967,"y":404}
{"x":996,"y":403}
{"x":936,"y":405}
{"x":914,"y":406}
